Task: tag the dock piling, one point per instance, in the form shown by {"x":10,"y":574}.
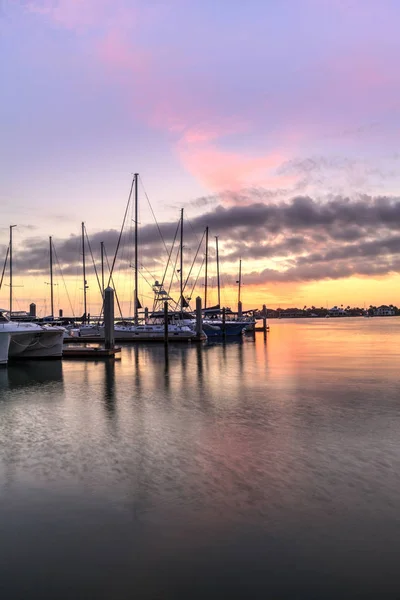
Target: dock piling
{"x":109,"y":338}
{"x":199,"y":318}
{"x":264,"y":313}
{"x":240,"y":310}
{"x":166,"y":323}
{"x":224,"y":322}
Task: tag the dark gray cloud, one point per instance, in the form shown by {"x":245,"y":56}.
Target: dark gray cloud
{"x":308,"y":240}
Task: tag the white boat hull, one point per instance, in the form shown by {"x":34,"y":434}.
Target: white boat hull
{"x":4,"y":346}
{"x":19,"y":342}
{"x":46,"y":343}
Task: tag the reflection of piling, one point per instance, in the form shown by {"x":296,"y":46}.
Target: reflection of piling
{"x":199,"y":318}
{"x":109,"y":318}
{"x":166,"y":323}
{"x":224,"y":322}
{"x":240,"y":310}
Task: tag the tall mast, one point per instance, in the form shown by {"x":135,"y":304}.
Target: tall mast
{"x":218,"y":280}
{"x":206,"y":271}
{"x":11,"y":269}
{"x":51,"y":278}
{"x":181,"y":263}
{"x":84,"y":272}
{"x":240,"y":279}
{"x":136,"y":303}
{"x":102,"y":268}
{"x":4,"y":266}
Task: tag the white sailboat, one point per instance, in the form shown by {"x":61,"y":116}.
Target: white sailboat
{"x":27,"y":340}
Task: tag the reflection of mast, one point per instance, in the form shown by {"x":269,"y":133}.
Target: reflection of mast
{"x":218,"y":280}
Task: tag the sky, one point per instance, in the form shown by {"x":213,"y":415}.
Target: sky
{"x":273,"y":122}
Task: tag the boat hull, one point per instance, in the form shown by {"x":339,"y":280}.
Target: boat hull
{"x":42,"y":344}
{"x":4,"y":347}
{"x":217,"y":329}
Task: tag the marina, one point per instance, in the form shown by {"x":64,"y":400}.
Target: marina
{"x":199,"y":320}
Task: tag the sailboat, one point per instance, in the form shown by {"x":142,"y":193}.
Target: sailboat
{"x":27,"y":340}
{"x":149,"y":331}
{"x":213,"y":325}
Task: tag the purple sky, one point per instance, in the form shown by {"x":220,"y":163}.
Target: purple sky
{"x":203,"y":99}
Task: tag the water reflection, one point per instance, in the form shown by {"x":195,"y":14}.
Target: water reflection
{"x":109,"y":386}
{"x":228,"y":464}
{"x":28,"y":374}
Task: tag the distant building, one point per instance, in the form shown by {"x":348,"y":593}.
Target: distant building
{"x":384,"y":311}
{"x":337,"y":312}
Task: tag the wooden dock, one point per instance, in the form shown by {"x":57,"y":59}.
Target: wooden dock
{"x":91,"y":352}
{"x":134,"y":340}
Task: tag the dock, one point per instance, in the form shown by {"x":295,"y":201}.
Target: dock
{"x":98,"y":340}
{"x":91,"y":352}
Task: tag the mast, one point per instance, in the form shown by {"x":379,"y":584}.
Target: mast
{"x":206,"y":271}
{"x":181,"y":263}
{"x":4,"y":266}
{"x":218,"y":280}
{"x":51,"y":278}
{"x":136,"y":303}
{"x":102,"y":267}
{"x":11,"y":269}
{"x":84,"y":272}
{"x":240,"y":279}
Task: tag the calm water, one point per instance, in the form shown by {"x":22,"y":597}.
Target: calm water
{"x":262,"y":469}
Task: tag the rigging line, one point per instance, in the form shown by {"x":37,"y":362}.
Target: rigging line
{"x":115,"y":291}
{"x":120,"y":235}
{"x":94,"y":264}
{"x":197,"y":278}
{"x":191,"y":226}
{"x":174,"y":271}
{"x":146,"y":269}
{"x":170,"y":254}
{"x":146,"y":280}
{"x":154,"y":216}
{"x":194,"y":260}
{"x":63,"y":280}
{"x":4,"y":267}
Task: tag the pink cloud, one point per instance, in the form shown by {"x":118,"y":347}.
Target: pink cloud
{"x":223,"y":170}
{"x":71,"y":14}
{"x":115,"y":51}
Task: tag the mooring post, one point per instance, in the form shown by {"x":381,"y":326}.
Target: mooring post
{"x":264,"y":313}
{"x":240,"y":310}
{"x":109,"y":319}
{"x":146,"y":315}
{"x":199,"y":318}
{"x":166,"y":322}
{"x":224,"y":322}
